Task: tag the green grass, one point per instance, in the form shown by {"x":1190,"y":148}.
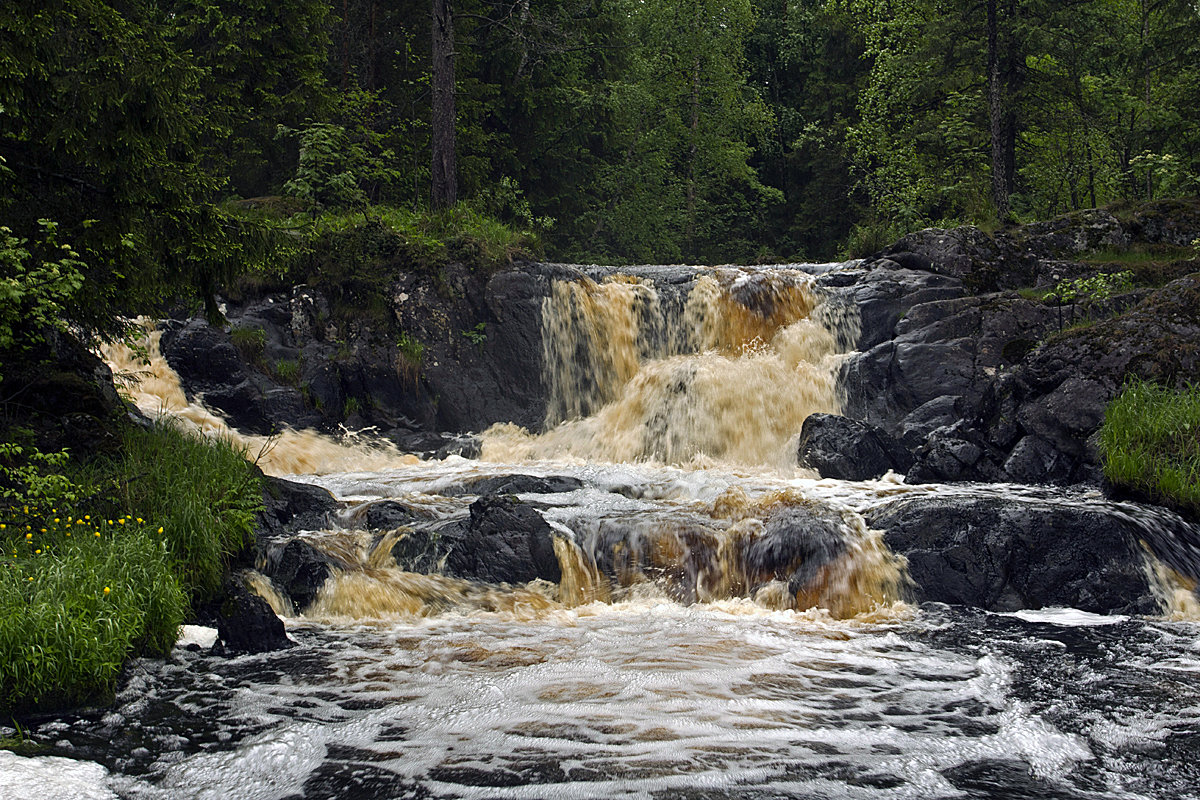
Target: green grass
{"x":287,"y":371}
{"x":1150,"y":442}
{"x":203,"y":493}
{"x":100,"y":562}
{"x":251,"y":342}
{"x":75,"y":606}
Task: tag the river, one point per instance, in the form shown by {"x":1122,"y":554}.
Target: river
{"x":669,"y":660}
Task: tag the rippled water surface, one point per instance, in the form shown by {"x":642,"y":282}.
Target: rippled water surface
{"x":652,"y":699}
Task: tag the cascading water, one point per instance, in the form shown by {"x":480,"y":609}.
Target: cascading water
{"x":723,"y":375}
{"x":705,"y":620}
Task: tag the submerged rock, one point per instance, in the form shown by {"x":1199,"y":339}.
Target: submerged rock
{"x":246,"y":623}
{"x":517,"y":484}
{"x":1005,"y":554}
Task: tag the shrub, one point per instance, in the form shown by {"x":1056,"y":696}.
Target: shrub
{"x":1150,"y":442}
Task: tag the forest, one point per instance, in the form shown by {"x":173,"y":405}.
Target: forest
{"x":147,"y":137}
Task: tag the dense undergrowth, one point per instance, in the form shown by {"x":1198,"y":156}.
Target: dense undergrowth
{"x":1150,"y":442}
{"x":101,"y":561}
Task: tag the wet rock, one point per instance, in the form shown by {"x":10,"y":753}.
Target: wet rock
{"x":838,"y":447}
{"x":1004,"y":554}
{"x":517,"y":484}
{"x":387,"y":515}
{"x":246,"y":624}
{"x":424,"y":549}
{"x":506,"y":541}
{"x":885,"y":293}
{"x":954,"y":453}
{"x":209,"y":365}
{"x":290,"y":506}
{"x":299,"y":570}
{"x":795,"y":544}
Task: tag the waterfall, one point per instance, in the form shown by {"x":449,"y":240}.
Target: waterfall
{"x":722,"y":373}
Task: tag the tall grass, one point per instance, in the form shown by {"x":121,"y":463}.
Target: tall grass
{"x":74,"y":606}
{"x":105,"y":571}
{"x":1150,"y":442}
{"x":203,"y":493}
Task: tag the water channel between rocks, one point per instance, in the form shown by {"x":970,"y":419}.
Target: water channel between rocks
{"x":720,"y":624}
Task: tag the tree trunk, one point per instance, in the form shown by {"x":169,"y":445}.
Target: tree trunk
{"x":997,"y":117}
{"x":445,"y":171}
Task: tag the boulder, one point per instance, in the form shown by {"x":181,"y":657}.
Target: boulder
{"x":291,"y":506}
{"x":506,"y":541}
{"x":516,"y":484}
{"x":1004,"y":553}
{"x":246,"y":623}
{"x":838,"y":447}
{"x":796,"y":543}
{"x":298,"y":569}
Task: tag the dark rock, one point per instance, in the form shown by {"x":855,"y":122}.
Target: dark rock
{"x":246,"y":623}
{"x":290,"y":506}
{"x":506,"y":541}
{"x":386,"y":515}
{"x":517,"y":484}
{"x":885,"y":294}
{"x":298,"y":569}
{"x":61,"y":391}
{"x":954,"y":453}
{"x":837,"y":447}
{"x":940,"y":412}
{"x":982,"y":262}
{"x":1076,"y":233}
{"x":1007,"y":553}
{"x":209,"y":365}
{"x":796,"y":543}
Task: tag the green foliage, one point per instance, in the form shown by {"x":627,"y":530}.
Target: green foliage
{"x":36,"y":288}
{"x":351,"y":407}
{"x":29,"y":476}
{"x":477,"y":335}
{"x":1150,"y":442}
{"x":204,"y":495}
{"x":250,"y":342}
{"x":412,"y":350}
{"x":1098,"y":287}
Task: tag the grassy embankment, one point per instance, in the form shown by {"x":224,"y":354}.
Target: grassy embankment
{"x":101,"y":561}
{"x":1150,"y":442}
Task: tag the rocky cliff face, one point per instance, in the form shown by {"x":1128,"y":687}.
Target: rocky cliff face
{"x":982,"y":382}
{"x":452,"y":356}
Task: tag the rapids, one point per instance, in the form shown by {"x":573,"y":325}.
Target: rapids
{"x":695,"y":646}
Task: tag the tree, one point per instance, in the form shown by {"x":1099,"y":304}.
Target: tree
{"x":445,"y":169}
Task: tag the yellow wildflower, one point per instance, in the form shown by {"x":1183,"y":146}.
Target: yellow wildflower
{"x":106,"y":590}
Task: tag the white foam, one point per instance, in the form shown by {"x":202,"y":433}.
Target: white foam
{"x":52,"y":778}
{"x":1066,"y":617}
{"x":196,"y":634}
